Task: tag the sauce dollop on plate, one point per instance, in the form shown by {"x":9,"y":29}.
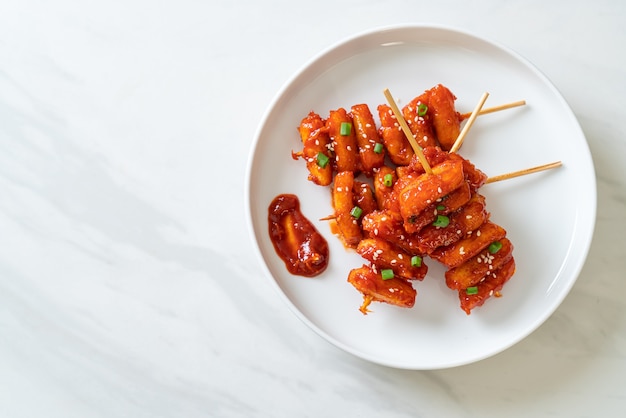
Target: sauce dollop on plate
{"x":296,"y":240}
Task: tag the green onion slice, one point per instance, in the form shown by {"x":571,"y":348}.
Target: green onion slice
{"x":345,"y":129}
{"x":416,"y":261}
{"x":494,"y":247}
{"x":322,"y":159}
{"x":378,"y":148}
{"x":422,"y":109}
{"x":356,"y":212}
{"x":441,"y":207}
{"x":388,"y":180}
{"x":387,"y":274}
{"x":442,"y":221}
{"x":472,"y":290}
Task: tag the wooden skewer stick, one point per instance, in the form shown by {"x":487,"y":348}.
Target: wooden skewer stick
{"x":494,"y":179}
{"x":523,"y":172}
{"x":469,"y":123}
{"x":407,"y":131}
{"x":496,"y":108}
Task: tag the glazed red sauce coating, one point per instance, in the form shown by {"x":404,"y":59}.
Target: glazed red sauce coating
{"x":296,"y":240}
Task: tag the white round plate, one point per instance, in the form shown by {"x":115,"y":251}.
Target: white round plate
{"x":549,"y":216}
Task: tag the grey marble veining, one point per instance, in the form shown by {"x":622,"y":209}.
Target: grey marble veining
{"x":128,"y":287}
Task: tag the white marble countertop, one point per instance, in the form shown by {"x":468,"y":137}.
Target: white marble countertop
{"x":126,"y":285}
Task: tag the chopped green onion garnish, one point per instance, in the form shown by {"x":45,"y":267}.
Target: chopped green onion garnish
{"x":416,"y":261}
{"x":387,"y":274}
{"x":345,"y":129}
{"x":356,"y":212}
{"x":441,"y":207}
{"x":422,"y":109}
{"x":322,"y":159}
{"x":378,"y":148}
{"x":388,"y":180}
{"x":472,"y":290}
{"x":441,"y":221}
{"x":494,"y":247}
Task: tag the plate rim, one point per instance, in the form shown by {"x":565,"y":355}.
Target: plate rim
{"x":362,"y":35}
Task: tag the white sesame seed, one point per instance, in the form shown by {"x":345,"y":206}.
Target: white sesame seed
{"x":368,"y":125}
{"x":477,"y":233}
{"x":400,"y":256}
{"x":439,"y":190}
{"x":462,"y":250}
{"x":394,"y":261}
{"x":349,"y":148}
{"x":468,"y":216}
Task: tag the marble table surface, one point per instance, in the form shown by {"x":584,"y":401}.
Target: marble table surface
{"x":127,"y":285}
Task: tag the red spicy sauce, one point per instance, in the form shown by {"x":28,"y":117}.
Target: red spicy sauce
{"x":296,"y":240}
